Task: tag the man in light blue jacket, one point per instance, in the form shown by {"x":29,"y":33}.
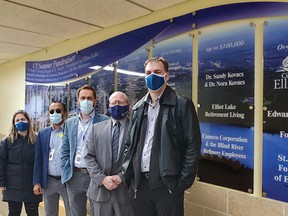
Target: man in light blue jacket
{"x":74,"y":169}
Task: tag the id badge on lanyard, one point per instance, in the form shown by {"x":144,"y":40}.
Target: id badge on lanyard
{"x":51,"y":154}
{"x":85,"y":129}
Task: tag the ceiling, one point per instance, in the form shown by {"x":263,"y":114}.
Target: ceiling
{"x":27,"y":26}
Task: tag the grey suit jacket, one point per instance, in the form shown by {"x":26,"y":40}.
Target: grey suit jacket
{"x":99,"y":162}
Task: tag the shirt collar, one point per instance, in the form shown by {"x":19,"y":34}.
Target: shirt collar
{"x":60,"y":128}
{"x":122,"y":121}
{"x":148,"y":99}
{"x":91,"y":116}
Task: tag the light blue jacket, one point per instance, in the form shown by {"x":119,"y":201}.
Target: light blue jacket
{"x":68,"y":151}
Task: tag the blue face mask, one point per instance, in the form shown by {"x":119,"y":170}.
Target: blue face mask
{"x":118,"y":112}
{"x":22,"y":126}
{"x":154,"y":81}
{"x":55,"y":118}
{"x":86,"y":106}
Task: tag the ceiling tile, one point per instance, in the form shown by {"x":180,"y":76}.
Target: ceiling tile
{"x":16,"y":49}
{"x":159,"y":4}
{"x":100,"y":13}
{"x":28,"y":19}
{"x":6,"y":56}
{"x":27,"y":26}
{"x":19,"y":37}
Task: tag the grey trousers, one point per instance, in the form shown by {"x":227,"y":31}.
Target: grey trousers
{"x":77,"y":188}
{"x":112,"y":207}
{"x":51,"y":195}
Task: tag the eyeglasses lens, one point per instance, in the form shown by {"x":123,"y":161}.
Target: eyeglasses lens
{"x":57,"y":111}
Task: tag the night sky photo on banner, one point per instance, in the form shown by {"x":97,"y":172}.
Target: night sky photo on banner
{"x":37,"y":101}
{"x":59,"y":93}
{"x":275,"y":114}
{"x":178,"y":52}
{"x":226,"y":105}
{"x":130,"y":72}
{"x":30,"y":102}
{"x":103,"y":83}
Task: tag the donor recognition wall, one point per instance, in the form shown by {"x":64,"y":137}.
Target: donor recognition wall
{"x":226,"y":101}
{"x":275,"y":110}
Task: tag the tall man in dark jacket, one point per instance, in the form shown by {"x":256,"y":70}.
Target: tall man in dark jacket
{"x":163,"y":149}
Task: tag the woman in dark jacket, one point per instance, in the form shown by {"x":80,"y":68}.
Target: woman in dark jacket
{"x":16,"y":166}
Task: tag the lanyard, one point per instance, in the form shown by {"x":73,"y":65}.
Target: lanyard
{"x":85,"y":128}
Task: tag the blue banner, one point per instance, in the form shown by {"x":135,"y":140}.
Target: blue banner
{"x":99,"y":55}
{"x":275,"y":114}
{"x":61,"y":69}
{"x":130,"y":72}
{"x":178,"y":52}
{"x":226,"y":105}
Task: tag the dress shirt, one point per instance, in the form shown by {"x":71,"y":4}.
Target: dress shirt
{"x":54,"y":163}
{"x":152,"y":114}
{"x":83,"y":131}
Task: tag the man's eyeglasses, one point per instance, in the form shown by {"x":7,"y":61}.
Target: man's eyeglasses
{"x":119,"y":102}
{"x":57,"y":111}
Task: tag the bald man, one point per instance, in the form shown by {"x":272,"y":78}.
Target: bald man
{"x":105,"y":145}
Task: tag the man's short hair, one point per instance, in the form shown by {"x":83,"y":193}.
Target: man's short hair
{"x":63,"y":104}
{"x":157,"y":59}
{"x":87,"y":87}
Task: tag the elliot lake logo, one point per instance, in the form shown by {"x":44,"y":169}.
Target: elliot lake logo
{"x":282,"y":83}
{"x":284,"y":67}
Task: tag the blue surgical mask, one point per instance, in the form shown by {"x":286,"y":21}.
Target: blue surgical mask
{"x":56,"y":118}
{"x":86,"y":106}
{"x":154,"y":81}
{"x":118,"y":112}
{"x":22,"y":126}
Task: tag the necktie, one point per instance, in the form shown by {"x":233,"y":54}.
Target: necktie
{"x":115,"y":143}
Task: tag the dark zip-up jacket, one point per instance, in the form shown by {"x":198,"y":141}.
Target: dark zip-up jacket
{"x":16,"y":164}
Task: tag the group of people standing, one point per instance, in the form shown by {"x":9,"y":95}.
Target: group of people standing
{"x":127,"y":165}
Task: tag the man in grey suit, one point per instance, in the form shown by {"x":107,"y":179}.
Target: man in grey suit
{"x":74,"y":172}
{"x":109,"y":196}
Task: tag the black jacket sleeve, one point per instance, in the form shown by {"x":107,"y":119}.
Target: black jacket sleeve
{"x":3,"y":162}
